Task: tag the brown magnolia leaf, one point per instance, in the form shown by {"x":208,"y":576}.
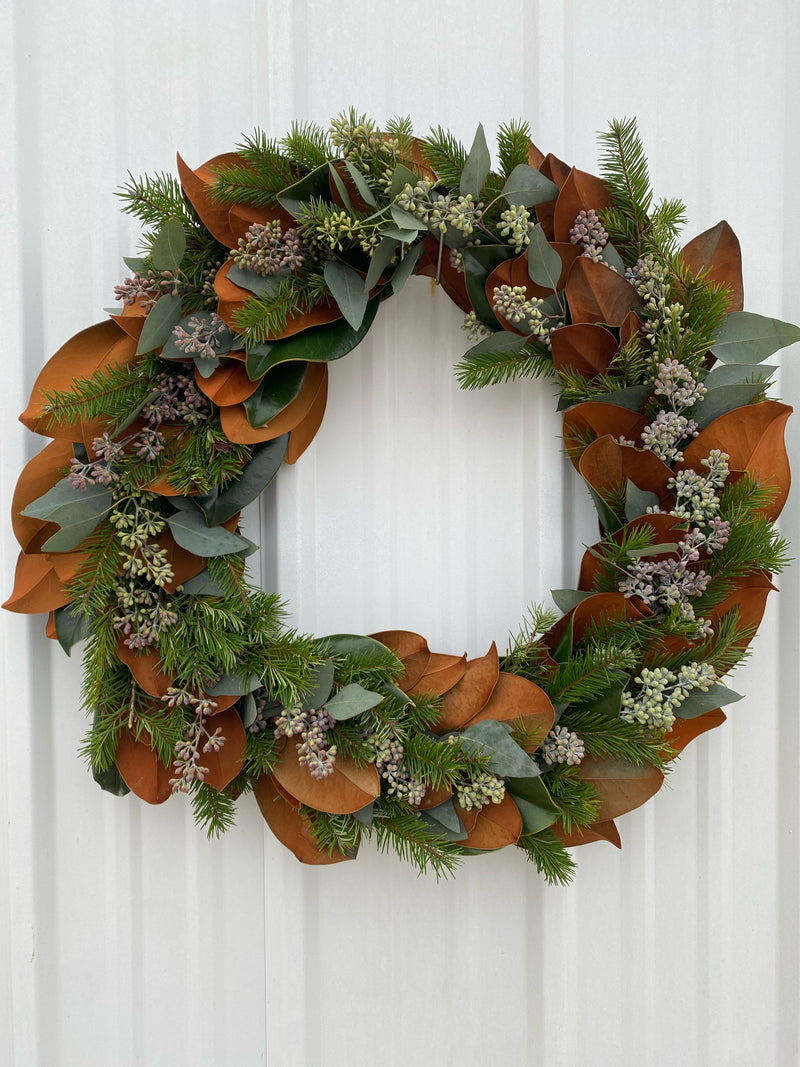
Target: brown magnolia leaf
{"x":143,"y":665}
{"x":349,"y":788}
{"x":685,"y":731}
{"x":38,"y":476}
{"x":555,"y":169}
{"x":580,"y":192}
{"x":402,"y":642}
{"x":470,"y":694}
{"x":195,"y":184}
{"x":535,"y":156}
{"x":184,"y":564}
{"x":232,"y":297}
{"x":242,"y":216}
{"x":37,"y":587}
{"x":67,"y":565}
{"x":597,"y":294}
{"x":442,"y":673}
{"x":596,"y":610}
{"x":665,"y":529}
{"x":224,"y":764}
{"x":545,"y":213}
{"x":606,"y":466}
{"x":621,"y":786}
{"x":290,"y":827}
{"x":514,"y":272}
{"x":237,"y":427}
{"x":449,"y":278}
{"x":414,"y":666}
{"x":598,"y":831}
{"x":141,"y":770}
{"x":631,"y":324}
{"x":494,"y":826}
{"x":516,"y":700}
{"x":50,"y":628}
{"x":132,"y":318}
{"x":306,"y":430}
{"x":584,"y":347}
{"x":99,"y":346}
{"x":717,"y":253}
{"x":749,"y":598}
{"x":228,"y":384}
{"x":753,"y":438}
{"x":434,"y":797}
{"x":595,"y":419}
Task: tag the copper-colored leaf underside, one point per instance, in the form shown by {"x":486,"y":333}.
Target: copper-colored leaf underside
{"x":38,"y":476}
{"x":684,"y":731}
{"x":494,"y":826}
{"x":471,"y":693}
{"x":716,"y":252}
{"x":597,"y":294}
{"x":598,"y":831}
{"x":607,"y":465}
{"x":37,"y":586}
{"x":665,"y":529}
{"x":580,"y":192}
{"x":516,"y":700}
{"x":349,"y":788}
{"x":141,"y":769}
{"x":584,"y":347}
{"x":621,"y":786}
{"x":290,"y":827}
{"x":595,"y":419}
{"x":229,"y":384}
{"x":232,"y":297}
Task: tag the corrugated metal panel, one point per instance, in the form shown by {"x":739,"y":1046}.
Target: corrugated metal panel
{"x":126,"y":937}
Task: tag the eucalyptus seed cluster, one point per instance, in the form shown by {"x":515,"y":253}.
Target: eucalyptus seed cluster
{"x":671,"y":426}
{"x":669,"y":584}
{"x":146,"y":444}
{"x":334,"y":228}
{"x":197,"y":738}
{"x":387,"y":753}
{"x":178,"y":399}
{"x":474,"y":327}
{"x":517,"y":224}
{"x":147,"y":288}
{"x":315,"y":750}
{"x":696,"y":496}
{"x":204,"y":336}
{"x":440,"y":211}
{"x":136,"y":522}
{"x":650,"y":278}
{"x":142,"y":615}
{"x":268,"y":248}
{"x":562,"y":746}
{"x":361,"y":143}
{"x":661,"y":693}
{"x":513,"y":304}
{"x":589,"y":232}
{"x":475,"y":793}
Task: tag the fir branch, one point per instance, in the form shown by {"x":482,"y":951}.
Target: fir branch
{"x":492,"y":368}
{"x":576,"y":799}
{"x":513,"y":144}
{"x":550,"y":856}
{"x":262,"y":174}
{"x":605,"y":736}
{"x":306,"y":145}
{"x":154,"y":199}
{"x":265,"y":316}
{"x":440,"y":763}
{"x":527,"y":655}
{"x":445,"y":155}
{"x":213,"y":810}
{"x":589,"y":672}
{"x":113,"y":393}
{"x":413,"y":839}
{"x":334,"y":833}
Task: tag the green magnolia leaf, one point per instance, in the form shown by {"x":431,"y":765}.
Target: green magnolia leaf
{"x":224,"y":501}
{"x":405,"y":220}
{"x":77,"y":512}
{"x":738,"y":374}
{"x":248,"y":710}
{"x":637,"y":501}
{"x":314,"y":185}
{"x":544,"y":263}
{"x":534,"y":802}
{"x":563,"y":649}
{"x":608,"y":703}
{"x":476,"y":167}
{"x":321,"y":344}
{"x":748,"y":338}
{"x":72,"y":626}
{"x":352,"y":700}
{"x":341,"y":188}
{"x":698,"y":702}
{"x":347,"y":289}
{"x":723,"y":399}
{"x":502,"y":343}
{"x":322,"y":683}
{"x":351,"y":645}
{"x":526,"y":186}
{"x":234,"y":685}
{"x":190,"y":531}
{"x":278,"y":388}
{"x":161,"y":320}
{"x":256,"y":283}
{"x":360,"y":183}
{"x":608,"y":520}
{"x":380,"y":260}
{"x":405,"y":268}
{"x":402,"y":177}
{"x":566,"y":599}
{"x":443,"y":818}
{"x":134,"y":263}
{"x":111,"y":781}
{"x":364,"y":815}
{"x":493,"y":740}
{"x":204,"y":585}
{"x":479,"y":262}
{"x":169,"y":246}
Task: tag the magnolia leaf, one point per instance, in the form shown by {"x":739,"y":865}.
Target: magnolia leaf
{"x":234,"y":685}
{"x":341,"y":188}
{"x":479,"y":262}
{"x":534,"y":802}
{"x":476,"y":167}
{"x":72,"y":626}
{"x":313,"y":185}
{"x":566,"y":599}
{"x":749,"y":338}
{"x":637,"y":501}
{"x":405,"y":268}
{"x":526,"y":186}
{"x":505,"y":757}
{"x":350,"y":644}
{"x":223,"y":502}
{"x":405,"y":220}
{"x":249,"y":710}
{"x":278,"y":388}
{"x":169,"y":246}
{"x":190,"y":531}
{"x":544,"y":263}
{"x":111,"y":781}
{"x":352,"y":700}
{"x":381,"y":257}
{"x":738,"y":374}
{"x":322,"y":683}
{"x":364,"y":815}
{"x":698,"y":702}
{"x":723,"y":399}
{"x":608,"y":520}
{"x":563,"y":649}
{"x":161,"y":320}
{"x":360,"y":183}
{"x":608,"y":703}
{"x":443,"y":818}
{"x":502,"y":344}
{"x":652,"y":550}
{"x":203,"y":584}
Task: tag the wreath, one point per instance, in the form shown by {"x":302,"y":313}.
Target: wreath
{"x":257,"y":270}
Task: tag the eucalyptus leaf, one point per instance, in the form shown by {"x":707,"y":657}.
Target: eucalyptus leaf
{"x":203,"y":584}
{"x":534,"y":802}
{"x":405,"y":220}
{"x":136,"y":264}
{"x":360,"y":183}
{"x":504,"y":756}
{"x":379,"y":261}
{"x":479,"y":262}
{"x":476,"y":167}
{"x":206,"y":365}
{"x":72,"y":626}
{"x":698,"y":702}
{"x":738,"y":374}
{"x":503,"y":342}
{"x":249,"y":710}
{"x":544,"y":263}
{"x":321,"y":344}
{"x":395,"y":233}
{"x":169,"y":246}
{"x":526,"y":186}
{"x":224,"y":501}
{"x":637,"y":501}
{"x":401,"y":177}
{"x":234,"y":685}
{"x":321,"y":685}
{"x":190,"y":531}
{"x":391,"y":690}
{"x":352,"y":700}
{"x":749,"y":338}
{"x":341,"y":188}
{"x":567,"y":599}
{"x":444,"y":819}
{"x":651,"y":550}
{"x":350,"y":644}
{"x":723,"y":399}
{"x":633,"y":397}
{"x":313,"y":185}
{"x":76,"y":511}
{"x":278,"y":388}
{"x":612,"y":257}
{"x":347,"y":289}
{"x":256,"y":283}
{"x":563,"y":649}
{"x":405,"y":268}
{"x":161,"y":320}
{"x":608,"y":703}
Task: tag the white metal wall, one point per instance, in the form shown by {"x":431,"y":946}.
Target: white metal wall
{"x":127,"y":938}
